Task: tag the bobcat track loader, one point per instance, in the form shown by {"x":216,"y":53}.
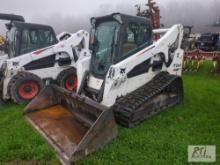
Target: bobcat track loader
{"x":128,"y":74}
{"x":35,"y":58}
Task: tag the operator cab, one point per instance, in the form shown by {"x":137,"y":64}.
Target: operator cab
{"x":23,"y":38}
{"x":116,"y":37}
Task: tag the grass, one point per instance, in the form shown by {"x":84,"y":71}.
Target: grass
{"x":161,"y":140}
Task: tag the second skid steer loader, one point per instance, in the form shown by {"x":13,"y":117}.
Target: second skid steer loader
{"x":128,"y":73}
{"x":32,"y":57}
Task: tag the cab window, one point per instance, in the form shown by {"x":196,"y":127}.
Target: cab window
{"x":11,"y":38}
{"x":137,"y":36}
{"x":33,"y":39}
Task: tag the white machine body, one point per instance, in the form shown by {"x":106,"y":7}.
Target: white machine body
{"x":118,"y":84}
{"x":75,"y":47}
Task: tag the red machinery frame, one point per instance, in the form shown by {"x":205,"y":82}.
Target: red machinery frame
{"x":209,"y":56}
{"x":196,"y":58}
{"x":152,"y":13}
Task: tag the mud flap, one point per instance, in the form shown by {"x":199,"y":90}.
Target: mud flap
{"x":74,"y":126}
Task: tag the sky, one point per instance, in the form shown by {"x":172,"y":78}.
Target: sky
{"x":72,"y":15}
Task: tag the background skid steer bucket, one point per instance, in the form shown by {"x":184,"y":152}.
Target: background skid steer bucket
{"x":72,"y":125}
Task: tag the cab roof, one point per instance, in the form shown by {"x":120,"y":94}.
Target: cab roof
{"x":11,"y":17}
{"x":119,"y":16}
{"x":30,"y":25}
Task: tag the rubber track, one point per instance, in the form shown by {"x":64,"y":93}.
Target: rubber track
{"x":142,"y":103}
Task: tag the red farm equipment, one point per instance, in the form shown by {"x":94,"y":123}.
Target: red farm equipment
{"x":152,"y":13}
{"x":194,"y":59}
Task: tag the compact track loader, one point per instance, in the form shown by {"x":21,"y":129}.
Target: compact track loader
{"x":34,"y":57}
{"x":129,"y":73}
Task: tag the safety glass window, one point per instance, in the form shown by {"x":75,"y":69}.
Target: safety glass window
{"x":136,"y":37}
{"x":34,"y":37}
{"x":11,"y":42}
{"x":105,"y":38}
{"x":25,"y":42}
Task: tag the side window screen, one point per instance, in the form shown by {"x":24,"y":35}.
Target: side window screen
{"x":42,"y":37}
{"x":130,"y":36}
{"x":130,"y":39}
{"x":136,"y":37}
{"x":11,"y":42}
{"x":144,"y":36}
{"x":45,"y":36}
{"x":25,"y":42}
{"x":33,"y":39}
{"x":105,"y":38}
